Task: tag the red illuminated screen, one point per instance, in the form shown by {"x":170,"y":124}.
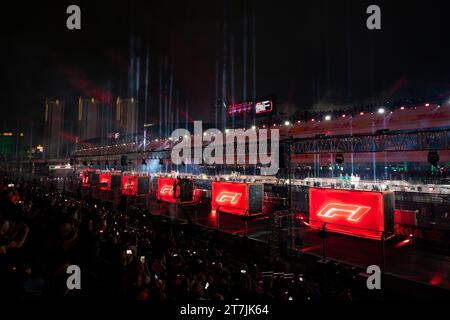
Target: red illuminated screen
{"x":165,"y":190}
{"x":357,"y":213}
{"x":247,"y":106}
{"x":129,"y":185}
{"x":230,"y":197}
{"x":105,"y":181}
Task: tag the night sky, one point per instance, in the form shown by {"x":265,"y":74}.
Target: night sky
{"x":308,"y":53}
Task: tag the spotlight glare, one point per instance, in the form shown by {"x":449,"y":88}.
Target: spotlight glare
{"x":327,"y":118}
{"x":381,"y":110}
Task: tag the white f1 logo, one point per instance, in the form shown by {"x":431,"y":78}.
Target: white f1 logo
{"x":166,"y":190}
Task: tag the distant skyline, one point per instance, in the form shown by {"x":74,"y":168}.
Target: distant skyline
{"x":307,"y":53}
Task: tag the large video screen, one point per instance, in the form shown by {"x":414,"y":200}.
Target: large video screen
{"x":352,"y":212}
{"x":237,"y":198}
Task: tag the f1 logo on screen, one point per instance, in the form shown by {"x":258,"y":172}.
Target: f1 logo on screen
{"x":352,"y":212}
{"x":349,"y":211}
{"x":228,"y":197}
{"x":128,"y":186}
{"x":166,"y":189}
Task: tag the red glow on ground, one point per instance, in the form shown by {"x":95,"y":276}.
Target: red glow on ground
{"x":105,"y":181}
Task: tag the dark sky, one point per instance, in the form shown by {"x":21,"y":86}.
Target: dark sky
{"x":307,"y":53}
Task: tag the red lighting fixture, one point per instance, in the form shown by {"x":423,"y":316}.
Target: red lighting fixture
{"x":173,"y":190}
{"x":358,"y":213}
{"x":105,"y":181}
{"x":165,"y":190}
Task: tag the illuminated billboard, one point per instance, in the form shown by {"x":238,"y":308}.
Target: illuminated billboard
{"x":175,"y":189}
{"x":261,"y":107}
{"x":143,"y":186}
{"x":237,"y":198}
{"x":264,"y":106}
{"x":358,"y":213}
{"x":129,"y":185}
{"x":85,"y":179}
{"x":105,"y":181}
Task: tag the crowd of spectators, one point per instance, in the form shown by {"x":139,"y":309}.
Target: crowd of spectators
{"x":130,"y":254}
